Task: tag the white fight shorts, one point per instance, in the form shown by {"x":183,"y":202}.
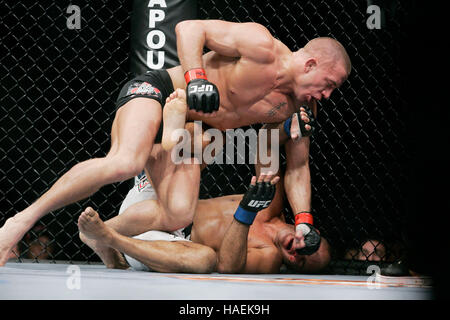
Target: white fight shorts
{"x":143,"y":190}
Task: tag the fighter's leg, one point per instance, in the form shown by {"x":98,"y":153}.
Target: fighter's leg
{"x":174,"y":117}
{"x":150,"y":214}
{"x":110,"y":257}
{"x":134,"y":129}
{"x":176,"y":185}
{"x":173,"y":205}
{"x":162,"y":256}
{"x":141,"y":209}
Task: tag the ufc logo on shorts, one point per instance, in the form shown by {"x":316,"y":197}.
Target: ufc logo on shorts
{"x":257,"y":203}
{"x":202,"y":88}
{"x":145,"y":88}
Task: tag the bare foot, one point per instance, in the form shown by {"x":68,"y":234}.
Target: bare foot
{"x":95,"y":234}
{"x":174,"y":117}
{"x":93,"y":227}
{"x":10,"y":235}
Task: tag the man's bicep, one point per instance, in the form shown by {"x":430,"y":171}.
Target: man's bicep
{"x":249,"y":40}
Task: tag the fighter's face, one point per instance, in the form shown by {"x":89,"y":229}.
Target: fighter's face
{"x":319,"y":81}
{"x":284,"y":241}
{"x":301,"y":263}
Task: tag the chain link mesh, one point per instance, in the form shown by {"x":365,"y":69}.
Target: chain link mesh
{"x":58,"y":88}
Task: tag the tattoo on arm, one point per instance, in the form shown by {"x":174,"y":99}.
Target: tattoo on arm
{"x":274,"y":110}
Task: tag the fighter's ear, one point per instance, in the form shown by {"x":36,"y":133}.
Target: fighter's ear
{"x":310,"y":64}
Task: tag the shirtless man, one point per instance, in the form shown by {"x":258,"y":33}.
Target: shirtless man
{"x":218,"y":241}
{"x":255,"y":77}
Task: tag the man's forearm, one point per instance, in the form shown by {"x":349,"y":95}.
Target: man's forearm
{"x":233,"y":251}
{"x":282,"y":138}
{"x":190,"y":43}
{"x":297,"y":184}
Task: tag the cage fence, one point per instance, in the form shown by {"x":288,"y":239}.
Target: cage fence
{"x":57,"y":94}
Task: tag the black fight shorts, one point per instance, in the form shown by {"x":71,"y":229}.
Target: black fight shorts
{"x":154,"y":84}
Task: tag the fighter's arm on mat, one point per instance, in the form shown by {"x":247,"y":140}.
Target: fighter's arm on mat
{"x":249,"y":40}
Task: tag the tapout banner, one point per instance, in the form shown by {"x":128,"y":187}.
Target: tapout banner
{"x":153,"y":40}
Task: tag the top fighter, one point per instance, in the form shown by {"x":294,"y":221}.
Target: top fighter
{"x":255,"y":77}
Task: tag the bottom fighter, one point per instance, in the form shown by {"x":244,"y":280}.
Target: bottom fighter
{"x":228,"y":235}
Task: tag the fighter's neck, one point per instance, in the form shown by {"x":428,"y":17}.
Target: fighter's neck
{"x":285,"y":76}
{"x":272,"y":226}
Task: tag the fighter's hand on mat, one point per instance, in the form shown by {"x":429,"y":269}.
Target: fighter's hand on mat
{"x":301,"y":124}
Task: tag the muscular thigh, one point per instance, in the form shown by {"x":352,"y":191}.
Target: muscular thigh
{"x":163,"y":171}
{"x":135,"y":127}
{"x":170,"y":179}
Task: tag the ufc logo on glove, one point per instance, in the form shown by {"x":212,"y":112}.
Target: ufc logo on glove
{"x":202,"y":88}
{"x":257,"y":204}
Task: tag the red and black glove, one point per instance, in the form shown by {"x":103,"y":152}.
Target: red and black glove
{"x":304,"y":222}
{"x":202,"y":95}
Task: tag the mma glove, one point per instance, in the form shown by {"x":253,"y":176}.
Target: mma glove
{"x":257,"y":198}
{"x":303,"y":131}
{"x":202,"y":95}
{"x":304,"y":222}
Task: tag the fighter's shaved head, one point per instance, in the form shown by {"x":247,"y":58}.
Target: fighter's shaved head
{"x":329,"y":50}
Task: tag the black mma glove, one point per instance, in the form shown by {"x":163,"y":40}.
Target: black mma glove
{"x":304,"y":222}
{"x":256,"y":198}
{"x":202,"y":95}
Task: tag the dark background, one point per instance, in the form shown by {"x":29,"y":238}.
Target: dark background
{"x":58,"y":88}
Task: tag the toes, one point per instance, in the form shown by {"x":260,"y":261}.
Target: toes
{"x":177,"y":94}
{"x":90,"y":212}
{"x":181,"y":93}
{"x":86,"y":215}
{"x":83,"y":218}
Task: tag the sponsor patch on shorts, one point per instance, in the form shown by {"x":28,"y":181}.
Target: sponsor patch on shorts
{"x":143,"y":88}
{"x":143,"y":181}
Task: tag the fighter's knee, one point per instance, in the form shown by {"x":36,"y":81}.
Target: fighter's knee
{"x":204,"y":260}
{"x":179,"y":214}
{"x":125,"y":166}
{"x":211,"y":260}
{"x":208,"y":259}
